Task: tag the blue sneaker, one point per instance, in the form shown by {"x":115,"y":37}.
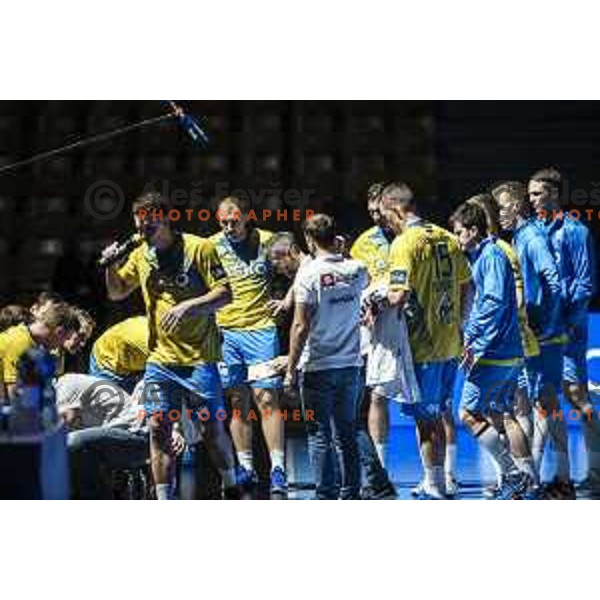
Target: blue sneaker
{"x":279,"y":485}
{"x":246,"y":479}
{"x":514,"y":487}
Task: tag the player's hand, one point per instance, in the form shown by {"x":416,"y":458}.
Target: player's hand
{"x":174,"y":316}
{"x":177,"y":442}
{"x":290,"y":380}
{"x":111,"y":251}
{"x":278,"y":308}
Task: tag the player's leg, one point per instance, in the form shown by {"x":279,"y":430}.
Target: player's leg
{"x":159,"y":392}
{"x":377,"y":483}
{"x":487,"y":392}
{"x":257,"y":347}
{"x":316,"y":390}
{"x":233,"y":375}
{"x":448,"y":384}
{"x":379,"y":425}
{"x":348,"y":387}
{"x":209,"y":394}
{"x":552,"y":363}
{"x":575,"y":389}
{"x":429,"y":428}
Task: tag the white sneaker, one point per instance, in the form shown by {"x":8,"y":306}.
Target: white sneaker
{"x":451,"y":485}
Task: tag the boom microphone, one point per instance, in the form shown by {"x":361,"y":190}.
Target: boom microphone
{"x":120,"y":251}
{"x":190,"y":125}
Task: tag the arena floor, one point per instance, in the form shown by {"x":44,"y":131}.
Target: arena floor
{"x":474,"y":468}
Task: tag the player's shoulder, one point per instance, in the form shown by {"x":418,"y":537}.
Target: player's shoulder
{"x":265,"y":236}
{"x":198,"y":244}
{"x":368,"y":236}
{"x":10,"y":335}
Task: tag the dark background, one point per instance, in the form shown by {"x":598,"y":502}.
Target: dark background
{"x":328,"y":151}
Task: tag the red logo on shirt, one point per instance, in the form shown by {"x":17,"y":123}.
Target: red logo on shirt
{"x":327,"y":280}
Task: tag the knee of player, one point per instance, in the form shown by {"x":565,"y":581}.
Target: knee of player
{"x":267,"y":399}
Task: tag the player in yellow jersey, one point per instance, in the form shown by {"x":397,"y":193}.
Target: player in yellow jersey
{"x":429,"y":278}
{"x":183,"y":284}
{"x":49,"y":329}
{"x":249,"y":336}
{"x":121,"y":352}
{"x":372,"y":248}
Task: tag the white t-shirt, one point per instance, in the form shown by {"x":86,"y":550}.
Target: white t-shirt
{"x":102,"y":403}
{"x":331,"y":286}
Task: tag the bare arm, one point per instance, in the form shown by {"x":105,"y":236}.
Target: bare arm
{"x":298,"y":336}
{"x":117,"y":287}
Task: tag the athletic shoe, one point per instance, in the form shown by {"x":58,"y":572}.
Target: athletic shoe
{"x":279,"y":486}
{"x":589,"y":487}
{"x":491,"y":492}
{"x":451,"y":486}
{"x":430,"y":492}
{"x":558,"y":490}
{"x":515,"y":486}
{"x":386,"y":492}
{"x":416,"y":491}
{"x":245,"y":478}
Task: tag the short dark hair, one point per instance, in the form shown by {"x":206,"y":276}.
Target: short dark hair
{"x":151,"y":201}
{"x":549,"y":176}
{"x":321,"y":229}
{"x":470,"y":215}
{"x":375,"y":190}
{"x":283,"y":239}
{"x":242,"y":203}
{"x":517,"y":191}
{"x":399,"y":193}
{"x":13,"y":314}
{"x":490,"y":208}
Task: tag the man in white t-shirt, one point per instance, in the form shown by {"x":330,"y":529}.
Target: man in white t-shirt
{"x":325,"y":346}
{"x":107,"y":430}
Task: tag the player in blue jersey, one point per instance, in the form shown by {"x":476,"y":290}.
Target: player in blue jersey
{"x":493,"y":354}
{"x":543,"y":303}
{"x":572,"y":246}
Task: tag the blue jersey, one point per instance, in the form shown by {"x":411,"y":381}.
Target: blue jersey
{"x":543,"y":298}
{"x":572,"y":246}
{"x":492,"y":329}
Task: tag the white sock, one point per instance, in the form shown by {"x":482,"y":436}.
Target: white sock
{"x":164,"y":491}
{"x":450,"y":460}
{"x":381,"y":448}
{"x":526,"y":423}
{"x":228,"y":477}
{"x":540,"y":437}
{"x":434,"y":478}
{"x":526,"y":465}
{"x":277,"y":459}
{"x":560,"y":442}
{"x":245,"y":459}
{"x":491,"y":441}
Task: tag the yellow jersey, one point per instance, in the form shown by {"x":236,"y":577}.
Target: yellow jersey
{"x":14,"y":342}
{"x":123,"y":348}
{"x":426,"y":261}
{"x":250,"y":280}
{"x":187,"y":270}
{"x":372,"y":248}
{"x":530,"y":343}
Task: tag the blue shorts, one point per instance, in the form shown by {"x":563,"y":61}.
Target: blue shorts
{"x":544,"y":369}
{"x":166,"y":387}
{"x":127,"y":382}
{"x":490,"y":388}
{"x":433,"y":379}
{"x":575,"y":356}
{"x":242,"y":348}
